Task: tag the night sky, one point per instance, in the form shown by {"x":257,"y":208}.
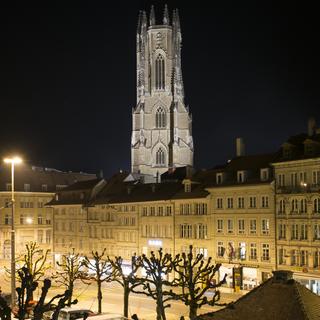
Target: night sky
{"x":67,"y":78}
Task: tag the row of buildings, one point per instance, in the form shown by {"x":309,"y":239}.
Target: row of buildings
{"x":256,"y":213}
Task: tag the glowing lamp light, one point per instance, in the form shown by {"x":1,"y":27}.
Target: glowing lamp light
{"x":13,"y":160}
{"x":29,"y":220}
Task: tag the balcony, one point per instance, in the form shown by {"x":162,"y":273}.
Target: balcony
{"x":298,"y":189}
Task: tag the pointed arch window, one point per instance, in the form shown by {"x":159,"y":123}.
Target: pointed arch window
{"x":160,"y":72}
{"x":160,"y":157}
{"x":160,"y":118}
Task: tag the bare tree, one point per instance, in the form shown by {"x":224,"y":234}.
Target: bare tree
{"x":195,"y":275}
{"x":102,"y":272}
{"x":157,"y":268}
{"x":70,"y":271}
{"x":128,"y":280}
{"x":35,"y":260}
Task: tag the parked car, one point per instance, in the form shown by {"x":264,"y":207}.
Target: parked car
{"x":70,"y":313}
{"x":107,"y":316}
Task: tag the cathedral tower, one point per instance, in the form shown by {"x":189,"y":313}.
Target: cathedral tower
{"x":161,"y":122}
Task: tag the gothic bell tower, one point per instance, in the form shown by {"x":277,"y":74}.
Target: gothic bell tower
{"x":161,"y":122}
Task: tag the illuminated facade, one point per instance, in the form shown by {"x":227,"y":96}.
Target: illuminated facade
{"x":161,"y":123}
{"x":33,"y":221}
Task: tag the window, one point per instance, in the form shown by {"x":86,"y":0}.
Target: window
{"x":26,"y":187}
{"x":230,"y":203}
{"x":230,"y":226}
{"x":152,"y":211}
{"x":303,"y":258}
{"x":40,"y":220}
{"x":144,"y":211}
{"x":253,"y":226}
{"x":8,"y":186}
{"x":48,"y":236}
{"x":44,"y":188}
{"x":294,"y":179}
{"x":185,"y":231}
{"x":304,"y":232}
{"x":282,"y":231}
{"x":242,"y":250}
{"x":241,"y":176}
{"x":294,"y":206}
{"x":316,"y":232}
{"x":316,"y":259}
{"x":201,"y":231}
{"x":160,"y":72}
{"x":241,"y":202}
{"x":160,"y":118}
{"x":302,"y":178}
{"x":316,"y":178}
{"x":281,"y":180}
{"x":241,"y":227}
{"x":253,"y":202}
{"x":294,"y":232}
{"x":168,"y":211}
{"x":60,"y":186}
{"x":200,"y":208}
{"x":40,"y":236}
{"x":219,"y":178}
{"x":303,"y":205}
{"x":282,"y":253}
{"x":160,"y":211}
{"x":282,"y":207}
{"x":160,"y":157}
{"x":264,"y":201}
{"x":253,"y":251}
{"x":265,"y":227}
{"x":264,"y":174}
{"x":221,"y":249}
{"x":7,"y":219}
{"x":219,"y":226}
{"x":265,"y":252}
{"x":316,"y":205}
{"x":219,"y":203}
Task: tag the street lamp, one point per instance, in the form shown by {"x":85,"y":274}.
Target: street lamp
{"x":13,"y":161}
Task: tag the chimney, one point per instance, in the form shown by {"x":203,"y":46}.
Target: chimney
{"x":311,"y":126}
{"x":240,"y":147}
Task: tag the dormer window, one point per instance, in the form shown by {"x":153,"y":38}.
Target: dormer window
{"x":241,"y":176}
{"x":264,"y":174}
{"x":26,"y":187}
{"x":219,"y":178}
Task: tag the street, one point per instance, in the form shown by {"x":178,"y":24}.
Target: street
{"x":112,"y":293}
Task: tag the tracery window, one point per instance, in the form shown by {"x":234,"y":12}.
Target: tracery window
{"x":160,"y":118}
{"x":160,"y":72}
{"x":160,"y":157}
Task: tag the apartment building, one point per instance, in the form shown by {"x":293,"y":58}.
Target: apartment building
{"x":297,"y":192}
{"x":242,"y":196}
{"x":33,"y":220}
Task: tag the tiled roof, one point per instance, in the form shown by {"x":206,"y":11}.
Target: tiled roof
{"x":280,"y":300}
{"x":36,"y":177}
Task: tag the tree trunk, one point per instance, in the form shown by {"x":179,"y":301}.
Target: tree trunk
{"x":99,"y":297}
{"x":126,"y":300}
{"x":71,"y":293}
{"x":192,"y":312}
{"x":160,"y":309}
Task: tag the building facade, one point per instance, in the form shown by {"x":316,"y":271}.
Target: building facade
{"x":161,"y":122}
{"x":33,"y":220}
{"x":297,"y":173}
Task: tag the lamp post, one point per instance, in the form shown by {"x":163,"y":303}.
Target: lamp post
{"x":13,"y":161}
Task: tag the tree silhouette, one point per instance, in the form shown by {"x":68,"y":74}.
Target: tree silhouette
{"x":195,"y":275}
{"x":128,"y":280}
{"x":157,"y":268}
{"x":70,"y":271}
{"x":5,"y":310}
{"x":35,"y":261}
{"x":102,"y":272}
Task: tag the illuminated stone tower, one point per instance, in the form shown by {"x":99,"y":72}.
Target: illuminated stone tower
{"x":161,"y":122}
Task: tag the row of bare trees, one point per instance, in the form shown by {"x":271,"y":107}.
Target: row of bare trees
{"x":160,"y":276}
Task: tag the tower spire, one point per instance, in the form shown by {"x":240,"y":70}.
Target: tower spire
{"x":166,"y":19}
{"x":139,"y":22}
{"x":152,"y":18}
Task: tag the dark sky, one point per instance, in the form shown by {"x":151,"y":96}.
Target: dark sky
{"x":67,"y":78}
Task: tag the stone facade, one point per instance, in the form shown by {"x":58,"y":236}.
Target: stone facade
{"x":161,"y":123}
